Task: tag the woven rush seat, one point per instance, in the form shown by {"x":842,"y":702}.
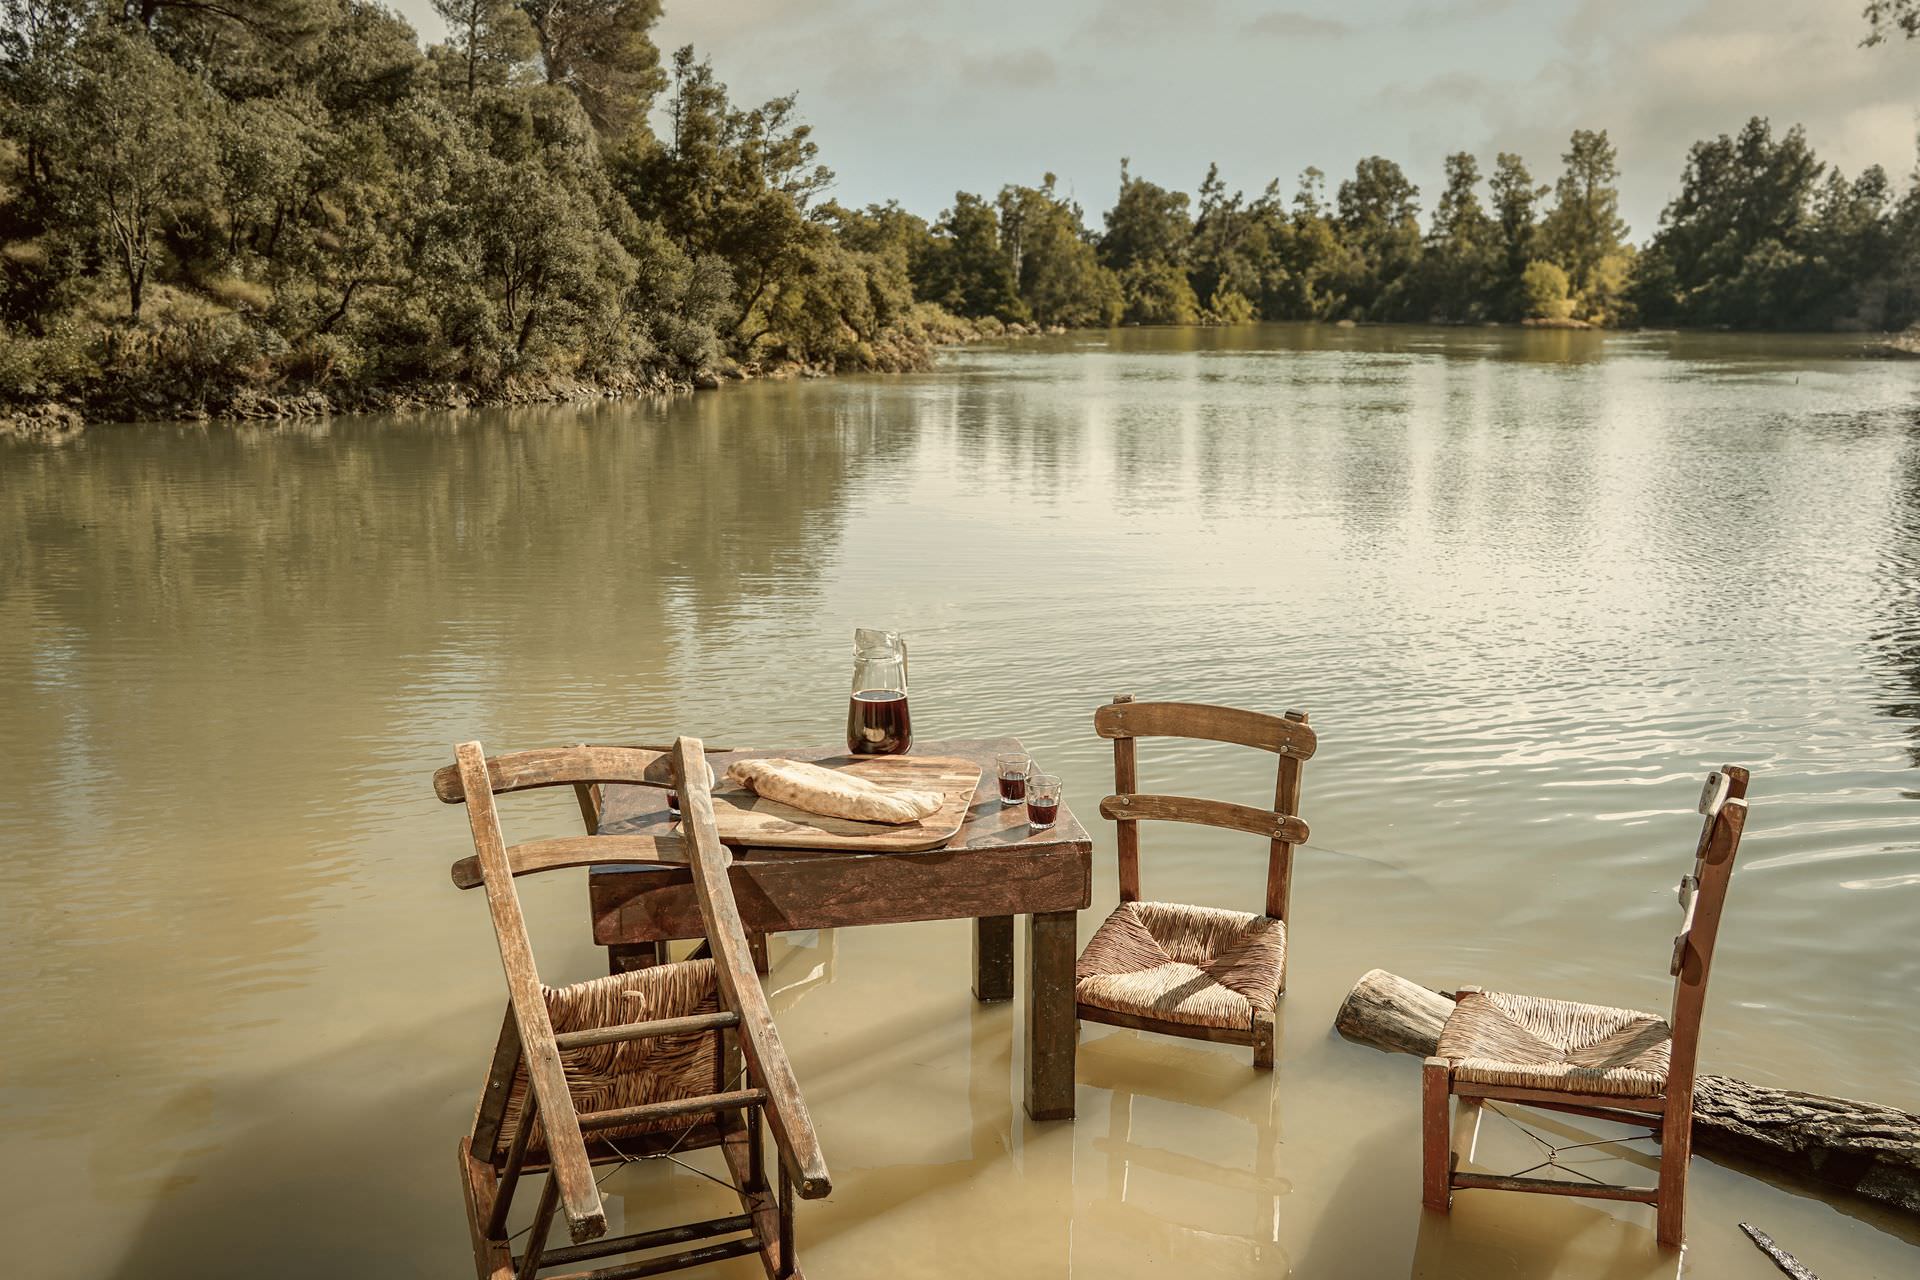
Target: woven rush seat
{"x":1200,"y":966}
{"x":631,"y":1073}
{"x":1531,"y":1042}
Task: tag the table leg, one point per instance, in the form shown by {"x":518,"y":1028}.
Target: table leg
{"x":993,"y":958}
{"x":1052,"y":1031}
{"x":625,"y":957}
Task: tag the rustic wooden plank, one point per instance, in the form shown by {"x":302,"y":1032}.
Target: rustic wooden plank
{"x":1186,"y":1030}
{"x":993,"y":959}
{"x":1552,"y":1187}
{"x":1864,"y":1148}
{"x":1208,"y":813}
{"x":586,"y":1217}
{"x":537,"y":1231}
{"x":1051,"y":1029}
{"x":1126,"y":781}
{"x":643,"y":810}
{"x":647,"y":1112}
{"x":755,"y":1198}
{"x":1286,"y":799}
{"x":492,"y":1108}
{"x":682,"y":1234}
{"x":665,"y":1263}
{"x":1199,"y":720}
{"x":786,"y":1109}
{"x":558,"y":766}
{"x":753,"y":821}
{"x":575,"y":851}
{"x":776,"y":893}
{"x":625,"y":957}
{"x":1435,"y":1143}
{"x":1553,"y":1097}
{"x":646,"y":1030}
{"x":492,"y":1259}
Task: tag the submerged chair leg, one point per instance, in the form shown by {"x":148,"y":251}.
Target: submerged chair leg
{"x":1262,"y":1041}
{"x":1436,"y":1145}
{"x":1676,"y":1148}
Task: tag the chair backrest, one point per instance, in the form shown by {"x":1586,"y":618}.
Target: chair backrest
{"x":1703,"y":893}
{"x":1287,"y":736}
{"x":474,"y":780}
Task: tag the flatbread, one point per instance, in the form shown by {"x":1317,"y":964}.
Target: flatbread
{"x":815,"y":789}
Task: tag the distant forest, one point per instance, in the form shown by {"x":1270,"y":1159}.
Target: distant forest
{"x":213,"y":205}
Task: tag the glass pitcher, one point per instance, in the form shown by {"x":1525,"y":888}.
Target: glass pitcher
{"x":877,"y":720}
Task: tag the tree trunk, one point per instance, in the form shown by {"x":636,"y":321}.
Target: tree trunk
{"x":1861,"y":1147}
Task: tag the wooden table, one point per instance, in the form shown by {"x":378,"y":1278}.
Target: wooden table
{"x":992,"y":870}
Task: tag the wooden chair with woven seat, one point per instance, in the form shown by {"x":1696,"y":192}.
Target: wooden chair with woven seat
{"x":1199,"y":972}
{"x":671,"y":1058}
{"x":1590,"y":1060}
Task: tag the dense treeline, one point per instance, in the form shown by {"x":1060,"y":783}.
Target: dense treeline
{"x":207,"y":203}
{"x":203,"y":204}
{"x":1762,"y":235}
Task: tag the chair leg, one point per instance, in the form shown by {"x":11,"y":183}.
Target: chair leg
{"x":1676,"y":1150}
{"x":757,"y":944}
{"x":1436,"y":1144}
{"x":1262,"y":1041}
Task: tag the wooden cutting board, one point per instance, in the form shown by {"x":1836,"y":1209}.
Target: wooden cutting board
{"x":747,"y":819}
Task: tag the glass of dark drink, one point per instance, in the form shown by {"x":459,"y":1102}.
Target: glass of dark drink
{"x":1043,"y":801}
{"x":1013,"y":768}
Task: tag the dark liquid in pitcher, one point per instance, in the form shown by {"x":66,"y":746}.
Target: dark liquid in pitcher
{"x":877,"y":723}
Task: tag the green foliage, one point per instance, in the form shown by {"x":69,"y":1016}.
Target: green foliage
{"x":1584,"y":225}
{"x":1886,"y":17}
{"x":201,"y":205}
{"x":1158,"y":293}
{"x":1147,"y":224}
{"x":1544,"y":292}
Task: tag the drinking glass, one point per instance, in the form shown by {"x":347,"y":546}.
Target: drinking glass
{"x":1043,"y":801}
{"x":1013,"y":768}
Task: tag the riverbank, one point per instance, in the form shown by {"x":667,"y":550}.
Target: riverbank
{"x":134,"y":391}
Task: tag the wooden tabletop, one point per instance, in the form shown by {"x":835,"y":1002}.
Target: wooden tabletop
{"x":643,"y":810}
{"x":992,"y":866}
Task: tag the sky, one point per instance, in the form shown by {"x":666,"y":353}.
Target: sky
{"x":913,"y":101}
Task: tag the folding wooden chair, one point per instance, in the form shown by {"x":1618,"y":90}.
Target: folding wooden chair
{"x":1198,"y":972}
{"x":1589,"y":1060}
{"x":631,"y":1065}
{"x":588,"y":794}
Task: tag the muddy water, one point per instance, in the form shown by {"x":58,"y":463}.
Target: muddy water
{"x":1530,"y":587}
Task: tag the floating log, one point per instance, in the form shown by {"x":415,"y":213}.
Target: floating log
{"x":1787,"y":1263}
{"x":1860,"y":1147}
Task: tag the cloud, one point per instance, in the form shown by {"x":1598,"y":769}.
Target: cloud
{"x":1450,"y":12}
{"x":1291,"y":24}
{"x":1133,"y":21}
{"x":1020,"y":69}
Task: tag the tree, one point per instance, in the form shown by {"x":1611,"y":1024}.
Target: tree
{"x":1584,"y":224}
{"x":1885,"y":17}
{"x":1515,"y":200}
{"x":1543,"y":287}
{"x":1460,"y":260}
{"x":603,"y":51}
{"x":969,"y":271}
{"x":1157,"y":292}
{"x":1380,"y":222}
{"x":491,"y":38}
{"x":1055,"y":265}
{"x":139,"y":149}
{"x":1147,"y":224}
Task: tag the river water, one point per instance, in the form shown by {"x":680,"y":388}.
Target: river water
{"x":1530,"y":586}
